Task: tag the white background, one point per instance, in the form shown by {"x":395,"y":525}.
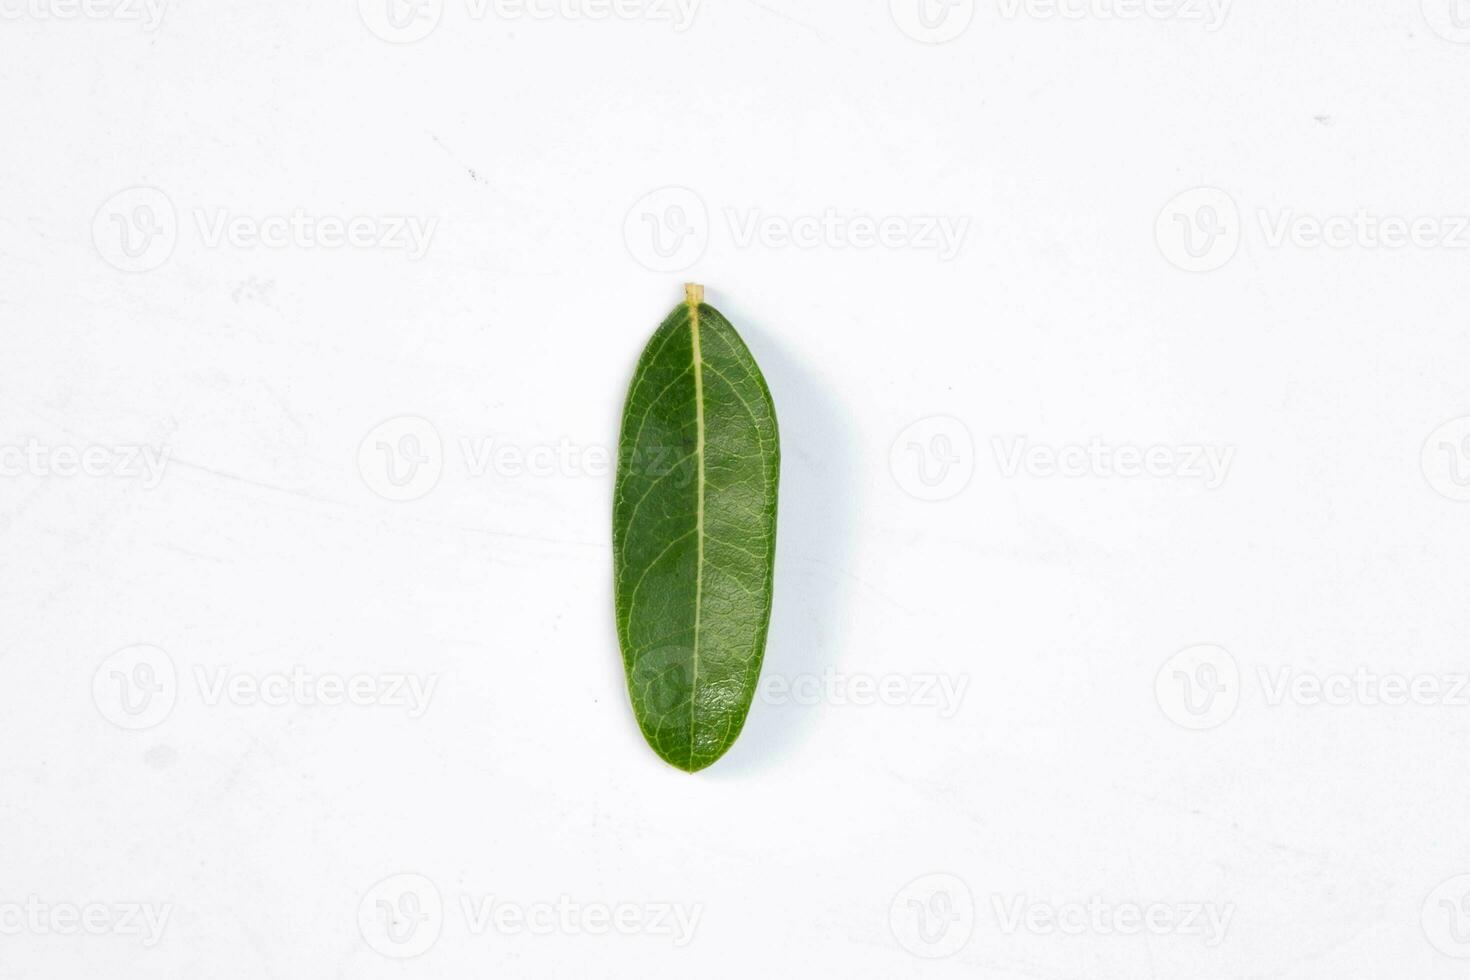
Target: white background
{"x":1084,"y":763}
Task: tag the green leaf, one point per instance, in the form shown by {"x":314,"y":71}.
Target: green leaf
{"x":694,"y":534}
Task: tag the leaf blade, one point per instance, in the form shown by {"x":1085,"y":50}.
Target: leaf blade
{"x":694,"y":521}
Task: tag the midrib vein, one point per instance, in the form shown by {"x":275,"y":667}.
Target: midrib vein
{"x":698,"y":512}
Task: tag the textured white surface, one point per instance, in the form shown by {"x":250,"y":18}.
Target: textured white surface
{"x":279,"y":590}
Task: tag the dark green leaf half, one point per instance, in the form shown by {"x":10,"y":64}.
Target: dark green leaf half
{"x":694,"y":534}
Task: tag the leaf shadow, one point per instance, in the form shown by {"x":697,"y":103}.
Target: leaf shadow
{"x":815,"y":527}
